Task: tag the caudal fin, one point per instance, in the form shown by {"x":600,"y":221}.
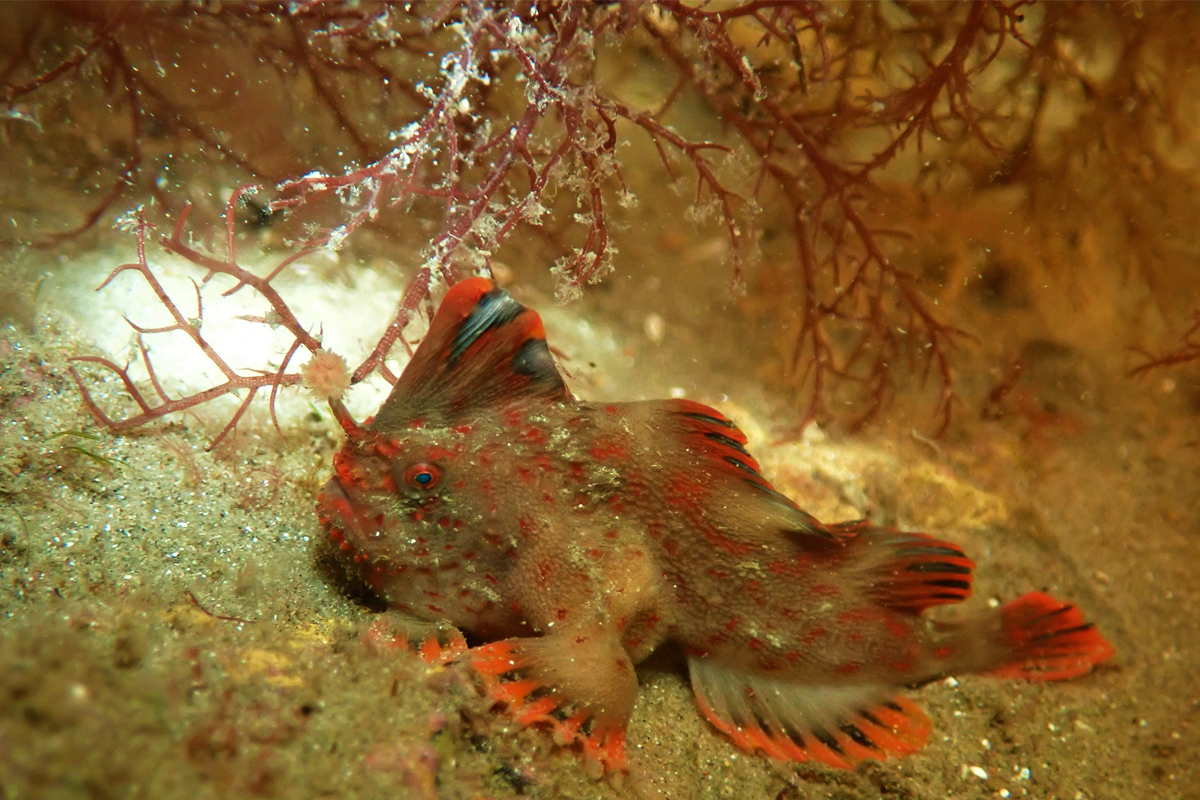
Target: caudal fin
{"x":1049,"y":640}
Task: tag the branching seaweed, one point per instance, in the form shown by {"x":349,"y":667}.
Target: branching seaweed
{"x":799,"y":87}
{"x":161,"y":403}
{"x":1187,"y":351}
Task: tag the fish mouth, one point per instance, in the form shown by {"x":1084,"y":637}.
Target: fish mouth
{"x":332,"y":491}
{"x":336,"y":513}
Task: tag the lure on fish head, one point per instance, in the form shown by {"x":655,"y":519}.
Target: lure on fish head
{"x":411,"y":492}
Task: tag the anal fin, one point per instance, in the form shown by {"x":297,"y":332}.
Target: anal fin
{"x":837,"y":725}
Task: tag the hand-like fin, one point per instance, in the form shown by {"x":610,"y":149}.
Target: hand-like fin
{"x":838,"y":725}
{"x":483,"y":350}
{"x":581,"y":685}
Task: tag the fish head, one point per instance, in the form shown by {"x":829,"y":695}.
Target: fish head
{"x":411,"y":499}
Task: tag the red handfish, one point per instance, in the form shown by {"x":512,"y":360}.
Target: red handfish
{"x":575,"y":538}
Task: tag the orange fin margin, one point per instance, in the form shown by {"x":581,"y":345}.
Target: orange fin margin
{"x":1051,"y":640}
{"x":838,"y":726}
{"x":510,"y":678}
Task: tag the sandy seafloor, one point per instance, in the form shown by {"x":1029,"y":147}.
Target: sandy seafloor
{"x":168,"y":632}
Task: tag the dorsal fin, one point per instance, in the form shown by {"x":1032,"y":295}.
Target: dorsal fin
{"x":907,"y":571}
{"x":483,"y":350}
{"x":720,"y":444}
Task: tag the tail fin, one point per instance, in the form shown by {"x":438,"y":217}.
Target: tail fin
{"x":1049,"y":640}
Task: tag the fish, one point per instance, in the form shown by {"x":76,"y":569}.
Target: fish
{"x":571,"y":539}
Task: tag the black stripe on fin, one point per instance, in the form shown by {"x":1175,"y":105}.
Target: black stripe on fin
{"x":826,"y":738}
{"x":938,"y":566}
{"x":742,"y":466}
{"x":494,"y":309}
{"x":534,"y":359}
{"x":856,"y":733}
{"x":724,"y":423}
{"x":733,"y":444}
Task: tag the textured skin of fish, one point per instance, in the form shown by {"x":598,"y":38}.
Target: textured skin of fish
{"x":574,"y":538}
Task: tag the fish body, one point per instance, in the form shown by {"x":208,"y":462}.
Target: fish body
{"x":575,"y":538}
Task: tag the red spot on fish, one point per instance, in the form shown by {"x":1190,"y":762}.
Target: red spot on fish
{"x":755,"y":644}
{"x":388,"y":448}
{"x":607,"y":450}
{"x":849,"y":668}
{"x":732,"y":624}
{"x":684,"y":492}
{"x":823,"y":590}
{"x":796,"y":567}
{"x":561,"y":614}
{"x":812,"y":634}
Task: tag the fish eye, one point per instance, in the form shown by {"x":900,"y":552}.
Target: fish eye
{"x":422,"y":476}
